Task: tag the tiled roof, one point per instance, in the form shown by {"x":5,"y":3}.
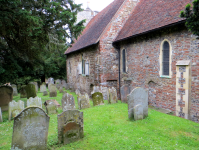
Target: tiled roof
{"x":95,"y":27}
{"x":150,"y":15}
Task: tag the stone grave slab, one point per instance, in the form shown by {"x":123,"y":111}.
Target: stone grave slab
{"x":61,"y":89}
{"x":36,"y":86}
{"x":51,"y":108}
{"x":138,"y":96}
{"x":30,"y":90}
{"x":45,"y":93}
{"x":15,"y":92}
{"x":30,"y":130}
{"x":125,"y":90}
{"x":6,"y":96}
{"x":43,"y":87}
{"x":15,"y":108}
{"x":34,"y":102}
{"x":68,"y":102}
{"x":52,"y":100}
{"x":70,"y":126}
{"x":23,"y":93}
{"x":53,"y":91}
{"x":112,"y":96}
{"x":83,"y":101}
{"x":51,"y":80}
{"x":97,"y":99}
{"x":1,"y":118}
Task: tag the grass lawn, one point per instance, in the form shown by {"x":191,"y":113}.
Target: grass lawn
{"x":107,"y":128}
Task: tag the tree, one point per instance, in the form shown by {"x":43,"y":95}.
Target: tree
{"x":192,"y":17}
{"x":25,"y":26}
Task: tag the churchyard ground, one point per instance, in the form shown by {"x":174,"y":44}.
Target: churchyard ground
{"x":108,"y":127}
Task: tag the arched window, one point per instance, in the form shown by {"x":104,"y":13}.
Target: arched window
{"x":165,"y":58}
{"x":124,"y":60}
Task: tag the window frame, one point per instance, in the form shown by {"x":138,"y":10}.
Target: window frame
{"x":124,"y":62}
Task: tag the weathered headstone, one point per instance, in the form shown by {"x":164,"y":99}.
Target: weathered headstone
{"x":49,"y":85}
{"x":112,"y":96}
{"x":68,"y":102}
{"x":125,"y":90}
{"x":58,"y":83}
{"x":30,"y":130}
{"x":36,"y":85}
{"x":51,"y":80}
{"x":77,"y":92}
{"x":70,"y":126}
{"x":136,"y":99}
{"x":53,"y":91}
{"x":23,"y":93}
{"x":1,"y":118}
{"x":61,"y":89}
{"x":43,"y":87}
{"x":83,"y":101}
{"x":15,"y":93}
{"x":64,"y":84}
{"x":6,"y":96}
{"x":15,"y":108}
{"x":45,"y":93}
{"x":97,"y":99}
{"x":30,"y":90}
{"x":34,"y":102}
{"x":51,"y":108}
{"x":52,"y":100}
{"x":105,"y":93}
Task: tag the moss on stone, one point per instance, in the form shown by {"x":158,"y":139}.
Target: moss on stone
{"x":30,"y":90}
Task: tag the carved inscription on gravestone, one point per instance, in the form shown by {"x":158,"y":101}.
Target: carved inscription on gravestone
{"x":68,"y":102}
{"x":30,"y":129}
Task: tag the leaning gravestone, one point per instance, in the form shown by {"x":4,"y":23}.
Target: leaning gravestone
{"x":83,"y":101}
{"x":15,"y":108}
{"x":68,"y":102}
{"x":23,"y":93}
{"x":30,"y":130}
{"x":15,"y":93}
{"x":97,"y":99}
{"x":70,"y":126}
{"x":53,"y":91}
{"x":43,"y":87}
{"x":6,"y":96}
{"x":125,"y":90}
{"x":1,"y":118}
{"x":30,"y":90}
{"x":112,"y":96}
{"x":34,"y":102}
{"x":138,"y":104}
{"x":51,"y":108}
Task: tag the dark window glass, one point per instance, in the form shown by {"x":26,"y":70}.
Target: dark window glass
{"x":165,"y":63}
{"x":124,"y":60}
{"x":83,"y":66}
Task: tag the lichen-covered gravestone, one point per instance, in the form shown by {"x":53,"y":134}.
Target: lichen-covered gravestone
{"x":61,"y":89}
{"x":52,"y":100}
{"x":43,"y":87}
{"x":68,"y":102}
{"x":15,"y":93}
{"x":51,"y":108}
{"x":36,"y":86}
{"x":34,"y":102}
{"x":23,"y":93}
{"x":15,"y":108}
{"x":138,"y":104}
{"x":83,"y":101}
{"x":30,"y":90}
{"x":53,"y":91}
{"x":30,"y":130}
{"x":1,"y":118}
{"x":70,"y":126}
{"x":45,"y":93}
{"x":6,"y":96}
{"x":112,"y":96}
{"x":124,"y":90}
{"x":97,"y":99}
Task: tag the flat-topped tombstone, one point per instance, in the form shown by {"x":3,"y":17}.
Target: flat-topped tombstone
{"x":15,"y":108}
{"x":15,"y":93}
{"x":6,"y":96}
{"x":45,"y":93}
{"x":70,"y":126}
{"x":43,"y":87}
{"x":34,"y":102}
{"x":30,"y":130}
{"x":1,"y":118}
{"x":68,"y":102}
{"x":97,"y":99}
{"x":30,"y":90}
{"x":138,"y":96}
{"x":36,"y":85}
{"x":112,"y":96}
{"x":83,"y":101}
{"x":51,"y":108}
{"x":23,"y":93}
{"x":53,"y":91}
{"x":125,"y":90}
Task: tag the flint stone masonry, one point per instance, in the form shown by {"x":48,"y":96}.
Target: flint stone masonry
{"x":1,"y":118}
{"x":112,"y":96}
{"x":30,"y":129}
{"x":68,"y":102}
{"x":6,"y":96}
{"x":23,"y":93}
{"x":53,"y":91}
{"x":83,"y":101}
{"x":70,"y":126}
{"x":138,"y":96}
{"x":30,"y":90}
{"x":34,"y":102}
{"x":43,"y":87}
{"x":15,"y":108}
{"x":125,"y":90}
{"x":97,"y":99}
{"x":15,"y":92}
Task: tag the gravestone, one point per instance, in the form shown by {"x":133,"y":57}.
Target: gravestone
{"x":138,"y":96}
{"x":70,"y":126}
{"x":58,"y":83}
{"x":51,"y":108}
{"x":138,"y":112}
{"x":51,"y":80}
{"x":112,"y":96}
{"x":77,"y":92}
{"x":105,"y":93}
{"x":49,"y":85}
{"x":15,"y":93}
{"x":52,"y":100}
{"x":83,"y":101}
{"x":61,"y":89}
{"x":23,"y":93}
{"x":30,"y":130}
{"x":53,"y":91}
{"x":125,"y":90}
{"x":36,"y":85}
{"x":97,"y":99}
{"x":6,"y":96}
{"x":15,"y":108}
{"x":63,"y":83}
{"x":43,"y":87}
{"x":34,"y":102}
{"x":30,"y":90}
{"x":1,"y":118}
{"x":68,"y":102}
{"x":45,"y":93}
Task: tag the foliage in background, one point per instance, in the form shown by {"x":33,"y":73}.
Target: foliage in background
{"x":192,"y":17}
{"x":25,"y":26}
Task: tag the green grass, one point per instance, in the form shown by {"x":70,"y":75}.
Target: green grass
{"x":107,"y":127}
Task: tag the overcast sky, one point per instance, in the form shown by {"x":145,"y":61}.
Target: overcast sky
{"x":95,"y":5}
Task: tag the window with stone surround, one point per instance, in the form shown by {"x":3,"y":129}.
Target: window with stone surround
{"x":124,"y":60}
{"x":69,"y":67}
